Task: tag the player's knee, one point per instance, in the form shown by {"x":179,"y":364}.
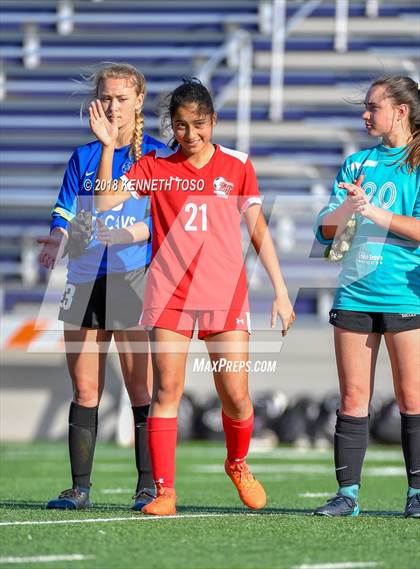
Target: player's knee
{"x":86,"y":396}
{"x":139,"y":399}
{"x":408,"y":402}
{"x":169,"y":392}
{"x":354,"y":403}
{"x":238,"y":405}
{"x":86,"y":402}
{"x":138,"y":393}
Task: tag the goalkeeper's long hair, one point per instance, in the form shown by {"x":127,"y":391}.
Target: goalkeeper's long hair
{"x":113,"y":70}
{"x":405,"y":91}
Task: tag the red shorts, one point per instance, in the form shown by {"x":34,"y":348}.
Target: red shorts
{"x":209,"y":321}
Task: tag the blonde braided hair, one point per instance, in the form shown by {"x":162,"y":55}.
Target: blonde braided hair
{"x":137,"y":138}
{"x":122,"y":71}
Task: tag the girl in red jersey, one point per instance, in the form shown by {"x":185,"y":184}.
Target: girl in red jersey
{"x":198,"y":192}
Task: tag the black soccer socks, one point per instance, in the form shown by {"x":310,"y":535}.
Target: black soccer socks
{"x":410,"y":437}
{"x":350,"y":443}
{"x":83,"y":426}
{"x":144,"y":468}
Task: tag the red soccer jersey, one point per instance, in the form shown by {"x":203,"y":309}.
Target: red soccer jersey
{"x":197,"y":259}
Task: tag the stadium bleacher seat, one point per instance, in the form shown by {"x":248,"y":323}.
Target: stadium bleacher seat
{"x":47,"y":45}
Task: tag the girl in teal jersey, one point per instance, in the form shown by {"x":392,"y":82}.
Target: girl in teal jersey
{"x":379,"y":288}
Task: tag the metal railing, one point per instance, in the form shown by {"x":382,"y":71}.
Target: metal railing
{"x":280,"y":29}
{"x":65,"y":17}
{"x":274,"y":21}
{"x":237,"y":51}
{"x":342,"y":21}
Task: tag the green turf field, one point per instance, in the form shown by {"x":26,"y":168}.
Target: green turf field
{"x":212,"y":530}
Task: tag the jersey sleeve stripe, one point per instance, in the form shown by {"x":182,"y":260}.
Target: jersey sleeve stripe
{"x":235,"y":153}
{"x":67,"y":215}
{"x":251,"y":201}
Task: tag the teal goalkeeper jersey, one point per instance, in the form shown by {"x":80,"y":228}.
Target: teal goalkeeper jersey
{"x":381,"y":271}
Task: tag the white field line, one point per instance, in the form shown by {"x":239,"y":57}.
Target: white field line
{"x":305,"y":454}
{"x":344,"y":565}
{"x":139,"y":518}
{"x":204,"y":468}
{"x":372,"y":455}
{"x":112,"y":467}
{"x":117,"y":491}
{"x":385,"y":471}
{"x":314,"y":494}
{"x":185,"y":478}
{"x":45,"y":558}
{"x":385,"y":455}
{"x":191,"y":480}
{"x":56,"y":453}
{"x":23,"y":454}
{"x":299,"y":468}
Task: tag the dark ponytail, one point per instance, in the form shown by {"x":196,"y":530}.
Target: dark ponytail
{"x":191,"y":91}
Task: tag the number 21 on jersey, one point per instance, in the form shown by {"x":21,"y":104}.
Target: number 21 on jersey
{"x":198,"y":217}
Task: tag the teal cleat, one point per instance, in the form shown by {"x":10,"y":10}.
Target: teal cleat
{"x":339,"y":505}
{"x":412,"y":508}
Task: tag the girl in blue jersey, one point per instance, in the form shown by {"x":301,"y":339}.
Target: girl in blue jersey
{"x":104,"y":290}
{"x":379,"y":288}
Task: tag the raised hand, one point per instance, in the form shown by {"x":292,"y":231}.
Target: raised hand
{"x":105,"y":131}
{"x":357,"y":200}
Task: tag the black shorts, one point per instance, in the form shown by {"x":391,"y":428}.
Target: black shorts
{"x":111,"y":302}
{"x":378,"y":322}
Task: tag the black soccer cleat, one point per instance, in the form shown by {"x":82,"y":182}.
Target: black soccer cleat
{"x":412,"y":508}
{"x":339,"y":505}
{"x":142,"y":497}
{"x":72,"y":499}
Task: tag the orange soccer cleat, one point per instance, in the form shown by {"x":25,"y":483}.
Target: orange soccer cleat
{"x":250,"y":490}
{"x":163,"y":505}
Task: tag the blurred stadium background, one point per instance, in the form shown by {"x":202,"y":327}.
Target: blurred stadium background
{"x":286,"y":76}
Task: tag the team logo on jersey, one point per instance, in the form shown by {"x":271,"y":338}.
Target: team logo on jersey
{"x":222,"y":187}
{"x":126,"y":166}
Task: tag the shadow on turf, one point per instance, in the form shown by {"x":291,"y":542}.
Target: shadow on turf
{"x":270,"y":511}
{"x":22,"y":505}
{"x":28,"y":505}
{"x":238,"y":510}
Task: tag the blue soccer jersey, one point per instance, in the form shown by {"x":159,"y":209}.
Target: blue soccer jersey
{"x":77,"y":192}
{"x":381,"y":271}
